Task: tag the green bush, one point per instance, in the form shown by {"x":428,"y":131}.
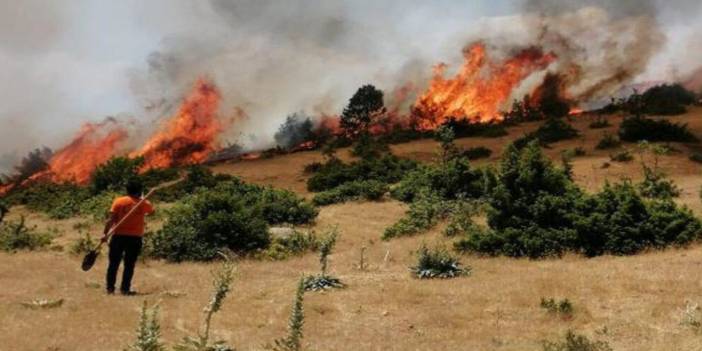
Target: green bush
{"x":475,"y":153}
{"x":295,"y":244}
{"x":624,"y":156}
{"x":114,"y":174}
{"x":450,"y":180}
{"x":599,"y":123}
{"x":366,"y":189}
{"x":536,"y":211}
{"x":656,"y":185}
{"x":98,"y":206}
{"x":574,"y":342}
{"x":387,"y":169}
{"x":640,"y":128}
{"x":368,"y":146}
{"x":422,"y":215}
{"x":564,"y":307}
{"x":232,"y":215}
{"x":437,"y":263}
{"x":608,"y":141}
{"x":696,"y":157}
{"x":196,"y":177}
{"x":553,"y":130}
{"x":16,"y":236}
{"x":57,"y":200}
{"x":465,"y":128}
{"x":82,"y":245}
{"x":667,"y":100}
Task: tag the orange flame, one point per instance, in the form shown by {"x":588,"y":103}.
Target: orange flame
{"x":94,"y":144}
{"x":478,"y":90}
{"x":190,"y":135}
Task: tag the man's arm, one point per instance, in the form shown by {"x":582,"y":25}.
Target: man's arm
{"x":108,"y":225}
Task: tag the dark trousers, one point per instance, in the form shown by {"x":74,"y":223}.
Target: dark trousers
{"x":122,"y":247}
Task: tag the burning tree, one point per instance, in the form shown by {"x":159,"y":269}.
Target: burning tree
{"x":296,"y":130}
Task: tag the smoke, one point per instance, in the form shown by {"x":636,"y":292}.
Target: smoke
{"x":70,"y":61}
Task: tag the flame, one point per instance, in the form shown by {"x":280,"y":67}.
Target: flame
{"x":190,"y":135}
{"x":478,"y":90}
{"x":250,"y":156}
{"x":575,"y":111}
{"x":94,"y":144}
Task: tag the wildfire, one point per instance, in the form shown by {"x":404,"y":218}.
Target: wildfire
{"x":190,"y":135}
{"x":94,"y":144}
{"x":479,"y":89}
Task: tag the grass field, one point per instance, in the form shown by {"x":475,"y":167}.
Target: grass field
{"x":634,"y":303}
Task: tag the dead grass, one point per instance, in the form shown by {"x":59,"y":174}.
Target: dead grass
{"x":633,"y":303}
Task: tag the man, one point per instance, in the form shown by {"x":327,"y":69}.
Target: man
{"x":127,"y":241}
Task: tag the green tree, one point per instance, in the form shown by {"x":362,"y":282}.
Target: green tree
{"x":365,"y":107}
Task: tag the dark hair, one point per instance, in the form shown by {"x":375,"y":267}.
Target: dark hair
{"x":134,"y":187}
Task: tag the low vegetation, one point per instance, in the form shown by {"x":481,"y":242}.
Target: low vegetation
{"x":608,"y":141}
{"x":386,"y":168}
{"x":324,"y":280}
{"x":641,"y":128}
{"x":366,"y":189}
{"x":562,"y":308}
{"x":599,"y":123}
{"x":476,"y":153}
{"x":232,"y":215}
{"x":537,"y":211}
{"x":437,"y":263}
{"x":575,"y":342}
{"x":16,"y":235}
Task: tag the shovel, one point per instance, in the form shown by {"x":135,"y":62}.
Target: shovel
{"x":90,"y":257}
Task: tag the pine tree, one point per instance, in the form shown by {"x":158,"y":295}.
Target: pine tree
{"x":365,"y":107}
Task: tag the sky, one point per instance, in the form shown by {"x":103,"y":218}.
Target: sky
{"x":66,"y":62}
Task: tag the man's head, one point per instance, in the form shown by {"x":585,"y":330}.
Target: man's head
{"x":134,"y":187}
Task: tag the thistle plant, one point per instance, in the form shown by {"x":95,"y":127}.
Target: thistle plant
{"x":222,"y":280}
{"x":324,"y":281}
{"x":148,"y":331}
{"x":437,"y":263}
{"x":293,"y":341}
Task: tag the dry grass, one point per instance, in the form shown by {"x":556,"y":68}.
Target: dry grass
{"x":634,"y":303}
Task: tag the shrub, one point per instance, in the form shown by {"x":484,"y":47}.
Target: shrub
{"x":479,"y":152}
{"x":599,"y":123}
{"x":82,"y":245}
{"x":692,"y":316}
{"x":313,"y":167}
{"x":624,"y":156}
{"x":422,"y":215}
{"x":196,"y":177}
{"x":465,"y":128}
{"x":367,"y":189}
{"x":450,"y":180}
{"x":386,"y":169}
{"x":639,"y":128}
{"x":536,"y":211}
{"x":114,"y":174}
{"x":666,"y":100}
{"x":608,"y":141}
{"x":437,"y":263}
{"x":553,"y":130}
{"x":232,"y":215}
{"x":656,"y":185}
{"x":295,"y":244}
{"x":16,"y":236}
{"x":696,"y":157}
{"x":98,"y":206}
{"x":368,"y":146}
{"x":574,"y":152}
{"x":57,"y":200}
{"x":564,"y":307}
{"x":324,"y":281}
{"x":574,"y":342}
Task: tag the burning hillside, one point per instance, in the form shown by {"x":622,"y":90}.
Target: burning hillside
{"x":479,"y":90}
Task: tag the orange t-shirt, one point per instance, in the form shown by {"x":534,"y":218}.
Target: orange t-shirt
{"x":134,"y":224}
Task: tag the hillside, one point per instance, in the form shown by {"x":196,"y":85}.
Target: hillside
{"x":634,"y":303}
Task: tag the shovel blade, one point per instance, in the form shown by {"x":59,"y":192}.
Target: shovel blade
{"x":89,"y":260}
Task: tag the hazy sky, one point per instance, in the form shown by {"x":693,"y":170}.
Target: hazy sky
{"x":65,"y":62}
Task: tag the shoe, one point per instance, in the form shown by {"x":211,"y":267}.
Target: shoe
{"x":128,"y":293}
{"x":110,"y":291}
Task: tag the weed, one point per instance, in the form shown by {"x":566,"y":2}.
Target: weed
{"x":437,"y":263}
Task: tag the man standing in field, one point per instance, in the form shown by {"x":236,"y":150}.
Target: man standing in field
{"x":127,"y":239}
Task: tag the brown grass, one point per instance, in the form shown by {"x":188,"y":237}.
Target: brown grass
{"x":632,"y":302}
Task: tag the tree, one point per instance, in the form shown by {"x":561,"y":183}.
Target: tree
{"x":365,"y":107}
{"x":296,"y":129}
